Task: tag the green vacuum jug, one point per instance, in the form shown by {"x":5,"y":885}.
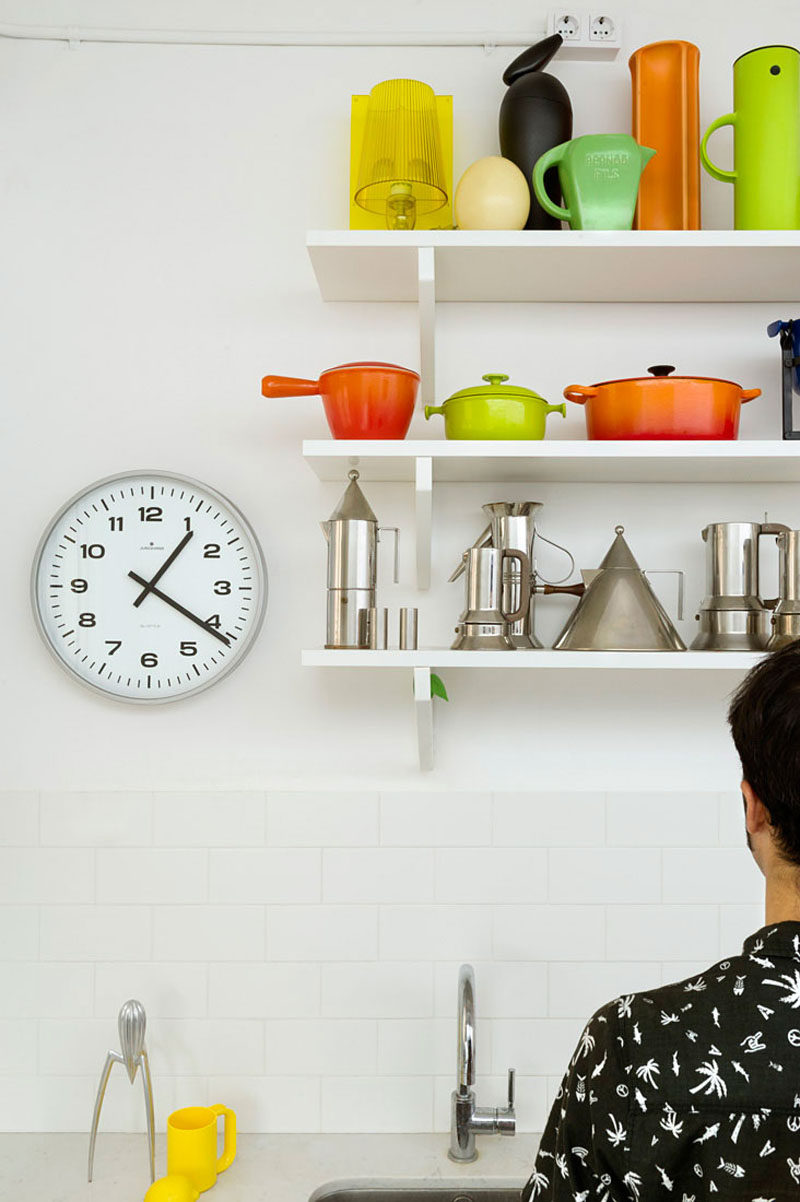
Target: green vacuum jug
{"x":766,"y":140}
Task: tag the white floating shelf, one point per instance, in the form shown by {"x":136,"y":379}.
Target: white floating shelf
{"x":697,"y":661}
{"x":763,"y":461}
{"x":559,"y":265}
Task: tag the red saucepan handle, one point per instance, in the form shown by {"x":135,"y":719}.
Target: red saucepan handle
{"x":278,"y":386}
{"x":579,"y":394}
{"x":750,"y":394}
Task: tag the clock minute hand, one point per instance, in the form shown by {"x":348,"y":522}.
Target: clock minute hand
{"x":148,"y":584}
{"x":187,"y":613}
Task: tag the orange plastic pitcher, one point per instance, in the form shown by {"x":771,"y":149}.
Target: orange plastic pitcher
{"x":664,"y":81}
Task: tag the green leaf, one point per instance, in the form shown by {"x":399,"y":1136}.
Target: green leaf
{"x":437,"y":687}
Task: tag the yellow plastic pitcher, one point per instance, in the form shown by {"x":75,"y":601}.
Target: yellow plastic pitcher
{"x":192,"y":1144}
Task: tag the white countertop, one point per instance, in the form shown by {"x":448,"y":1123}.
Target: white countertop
{"x":278,"y":1168}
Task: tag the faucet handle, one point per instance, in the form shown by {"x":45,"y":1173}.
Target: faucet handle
{"x":511,"y":1087}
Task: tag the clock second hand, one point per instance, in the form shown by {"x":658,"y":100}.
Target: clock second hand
{"x":148,"y":584}
{"x":180,"y":608}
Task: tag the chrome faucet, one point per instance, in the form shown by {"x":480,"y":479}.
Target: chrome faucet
{"x":466,"y":1119}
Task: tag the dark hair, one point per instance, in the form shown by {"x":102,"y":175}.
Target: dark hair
{"x":764,"y":718}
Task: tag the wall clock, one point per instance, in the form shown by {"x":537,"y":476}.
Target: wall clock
{"x":149,"y":586}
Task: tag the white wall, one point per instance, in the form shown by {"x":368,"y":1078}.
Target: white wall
{"x":154,"y":208}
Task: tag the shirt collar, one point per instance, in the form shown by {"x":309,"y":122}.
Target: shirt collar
{"x":778,"y":939}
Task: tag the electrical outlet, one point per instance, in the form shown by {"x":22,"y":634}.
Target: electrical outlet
{"x":568,"y":24}
{"x":587,"y":35}
{"x":603,"y":30}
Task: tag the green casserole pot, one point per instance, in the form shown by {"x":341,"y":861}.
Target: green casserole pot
{"x":494,"y":410}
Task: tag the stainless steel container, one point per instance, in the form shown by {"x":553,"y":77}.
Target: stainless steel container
{"x":484,"y":624}
{"x":733,"y":616}
{"x":513,"y":528}
{"x":352,"y":533}
{"x":786,"y":619}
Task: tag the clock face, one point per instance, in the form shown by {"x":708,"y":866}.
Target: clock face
{"x":149,"y":586}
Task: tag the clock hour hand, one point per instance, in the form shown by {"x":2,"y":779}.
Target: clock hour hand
{"x":180,"y":608}
{"x":148,"y":584}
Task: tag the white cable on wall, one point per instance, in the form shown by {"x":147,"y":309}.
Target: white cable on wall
{"x":164,"y":37}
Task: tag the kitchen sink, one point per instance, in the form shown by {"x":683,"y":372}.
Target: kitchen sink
{"x":393,"y":1190}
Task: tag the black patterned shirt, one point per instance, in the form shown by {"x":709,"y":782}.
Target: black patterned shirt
{"x":686,"y":1091}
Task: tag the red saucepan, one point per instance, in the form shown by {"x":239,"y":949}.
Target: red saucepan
{"x":362,"y":400}
{"x":662,"y":406}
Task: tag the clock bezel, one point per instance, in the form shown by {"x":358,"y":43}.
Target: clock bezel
{"x":257,"y":620}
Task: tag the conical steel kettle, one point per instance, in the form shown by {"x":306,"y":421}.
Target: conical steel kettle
{"x":619,"y":610}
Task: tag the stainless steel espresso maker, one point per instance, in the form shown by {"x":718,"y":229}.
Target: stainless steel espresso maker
{"x":485,"y":624}
{"x":512,"y":527}
{"x":733,"y":616}
{"x":353,"y":534}
{"x":786,"y":618}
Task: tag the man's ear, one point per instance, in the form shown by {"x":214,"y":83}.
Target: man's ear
{"x":755,"y":812}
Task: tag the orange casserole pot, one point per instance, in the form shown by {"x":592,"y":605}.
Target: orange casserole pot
{"x":662,"y":406}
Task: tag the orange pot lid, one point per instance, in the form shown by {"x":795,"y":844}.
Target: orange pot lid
{"x":372,"y":366}
{"x":665,"y":373}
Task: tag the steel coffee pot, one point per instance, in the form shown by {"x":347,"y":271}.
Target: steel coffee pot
{"x":485,"y":623}
{"x":733,"y":615}
{"x":352,"y":533}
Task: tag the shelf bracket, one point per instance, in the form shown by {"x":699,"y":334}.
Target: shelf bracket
{"x":423,"y":495}
{"x":426,"y":294}
{"x":423,"y":708}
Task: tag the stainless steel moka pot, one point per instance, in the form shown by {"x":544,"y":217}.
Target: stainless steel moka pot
{"x":733,"y":616}
{"x":485,"y":623}
{"x":786,"y":618}
{"x":352,"y":534}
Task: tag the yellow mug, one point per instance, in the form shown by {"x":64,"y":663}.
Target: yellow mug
{"x":192,"y":1144}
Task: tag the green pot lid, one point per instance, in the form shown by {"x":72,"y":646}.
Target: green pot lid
{"x":495,"y":386}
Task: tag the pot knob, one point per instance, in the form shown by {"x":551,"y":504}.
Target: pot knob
{"x":661,"y":369}
{"x":494,"y":379}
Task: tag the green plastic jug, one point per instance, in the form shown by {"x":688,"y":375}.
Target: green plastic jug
{"x":599,"y":176}
{"x":766,"y":140}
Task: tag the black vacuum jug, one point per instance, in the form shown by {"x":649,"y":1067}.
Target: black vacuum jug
{"x":535,"y":114}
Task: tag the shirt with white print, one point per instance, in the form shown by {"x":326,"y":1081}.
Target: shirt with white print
{"x":686,"y":1091}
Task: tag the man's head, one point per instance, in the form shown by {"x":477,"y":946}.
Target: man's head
{"x":765,"y":723}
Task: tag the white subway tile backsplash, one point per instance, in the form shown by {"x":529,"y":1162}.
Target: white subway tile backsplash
{"x":96,"y":933}
{"x":491,"y":875}
{"x":377,"y":875}
{"x":322,"y":933}
{"x":577,"y":990}
{"x":502,"y":990}
{"x":200,"y":819}
{"x":322,"y":819}
{"x":212,"y":933}
{"x":329,"y":1047}
{"x":17,"y":1048}
{"x":662,"y":932}
{"x":46,"y":874}
{"x":604,"y":875}
{"x":534,"y":1046}
{"x":207,"y":1047}
{"x":436,"y":819}
{"x":379,"y":1104}
{"x":377,"y":990}
{"x":47,"y":991}
{"x":165,"y":990}
{"x":732,"y":831}
{"x":151,"y":875}
{"x":265,"y":876}
{"x":421,"y":1046}
{"x":435,"y":932}
{"x":19,"y":819}
{"x":298,"y":953}
{"x":19,"y":933}
{"x":715,"y":875}
{"x":735,"y":924}
{"x":549,"y":819}
{"x":662,"y":819}
{"x":547,"y":932}
{"x":264,"y":990}
{"x":274,"y":1104}
{"x":97,"y":819}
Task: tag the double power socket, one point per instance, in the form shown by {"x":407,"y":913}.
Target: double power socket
{"x":587,"y":34}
